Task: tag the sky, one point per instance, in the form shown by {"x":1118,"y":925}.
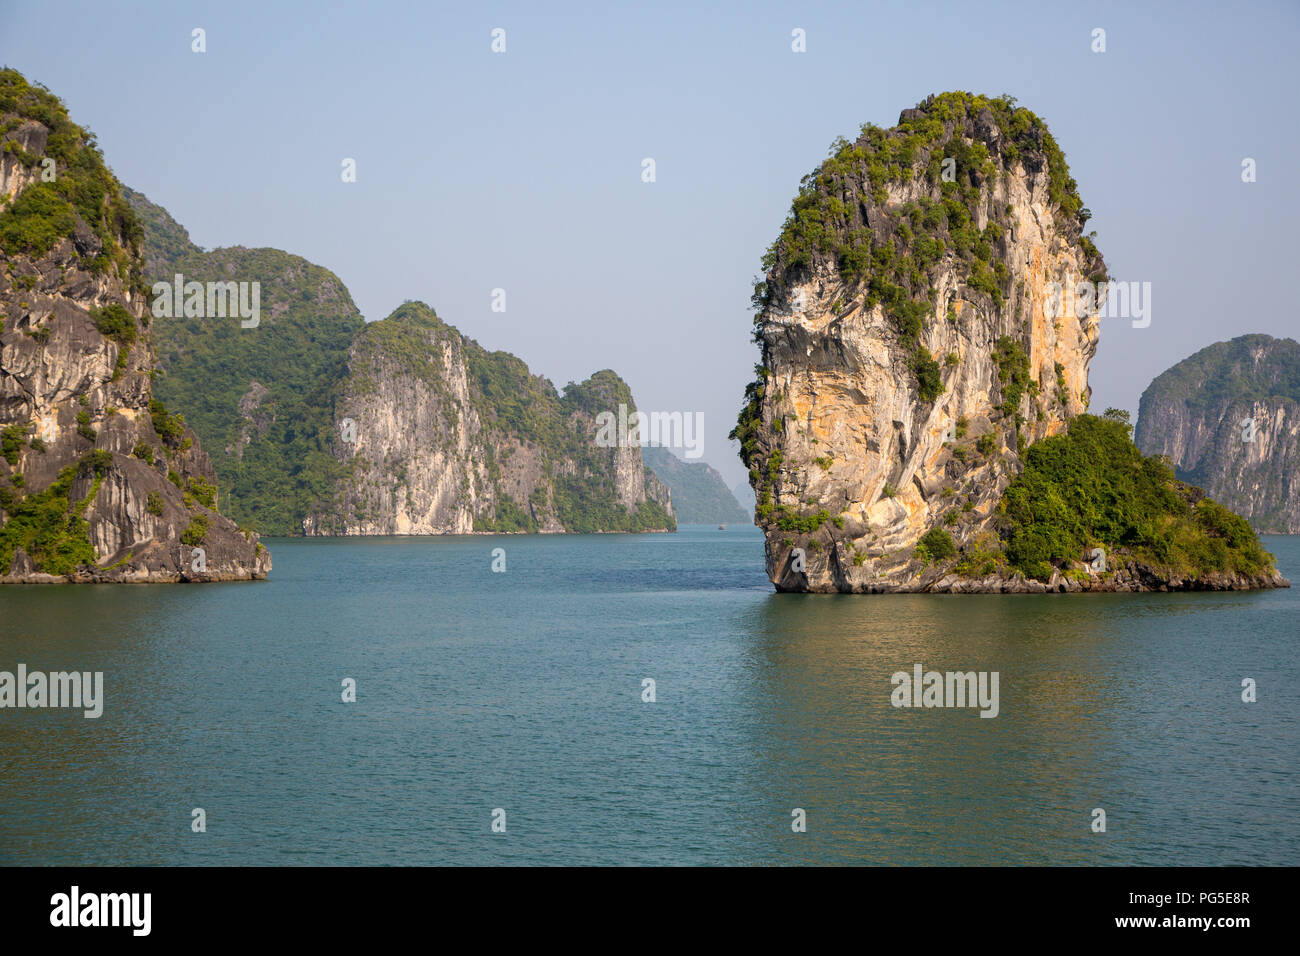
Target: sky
{"x":522,"y":170}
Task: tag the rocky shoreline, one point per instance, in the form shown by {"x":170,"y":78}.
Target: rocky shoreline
{"x":132,"y":577}
{"x":155,"y":563}
{"x":1140,"y":579}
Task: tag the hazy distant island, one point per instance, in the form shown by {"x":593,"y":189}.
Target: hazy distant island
{"x":1228,"y":418}
{"x":919,"y":417}
{"x":700,"y":496}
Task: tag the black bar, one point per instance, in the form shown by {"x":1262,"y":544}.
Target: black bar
{"x":957,"y":906}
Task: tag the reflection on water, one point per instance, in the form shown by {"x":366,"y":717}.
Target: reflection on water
{"x":523,"y":690}
{"x":1097,"y":695}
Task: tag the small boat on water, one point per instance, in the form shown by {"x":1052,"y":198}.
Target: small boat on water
{"x":722,"y":527}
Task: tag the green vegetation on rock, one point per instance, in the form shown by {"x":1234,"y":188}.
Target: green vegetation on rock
{"x":1013,"y":374}
{"x":114,"y":322}
{"x":509,"y":518}
{"x":47,"y":211}
{"x":935,"y":545}
{"x":196,"y":532}
{"x":1092,"y":487}
{"x":170,"y":428}
{"x":261,"y":399}
{"x":750,"y":421}
{"x":47,"y":525}
{"x":11,"y":441}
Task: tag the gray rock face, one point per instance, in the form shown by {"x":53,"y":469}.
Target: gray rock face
{"x":1228,"y":418}
{"x":442,"y":437}
{"x":79,"y":501}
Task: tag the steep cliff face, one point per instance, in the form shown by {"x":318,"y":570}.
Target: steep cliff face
{"x":98,"y":481}
{"x":912,"y":341}
{"x":440,"y":436}
{"x":1228,"y":418}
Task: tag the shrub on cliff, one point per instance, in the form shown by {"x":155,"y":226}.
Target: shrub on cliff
{"x":936,"y":545}
{"x":36,"y":221}
{"x":47,"y":527}
{"x":11,"y":441}
{"x":170,"y":428}
{"x":114,"y":322}
{"x":928,"y":378}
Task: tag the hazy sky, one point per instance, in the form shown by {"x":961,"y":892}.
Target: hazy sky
{"x":522,"y":170}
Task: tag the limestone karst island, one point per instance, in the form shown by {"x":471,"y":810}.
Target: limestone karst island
{"x":919,"y":419}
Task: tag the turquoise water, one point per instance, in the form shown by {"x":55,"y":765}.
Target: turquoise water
{"x":522,"y":690}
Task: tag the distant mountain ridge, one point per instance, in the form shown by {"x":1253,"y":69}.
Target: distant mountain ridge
{"x":744,"y":494}
{"x":700,"y":496}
